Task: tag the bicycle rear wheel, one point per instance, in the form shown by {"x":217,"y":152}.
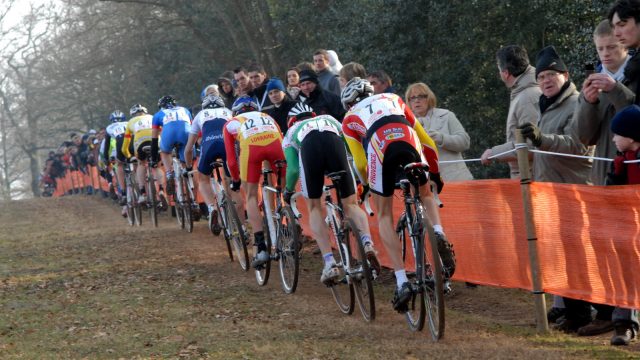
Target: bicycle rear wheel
{"x":137,"y":207}
{"x":238,"y":237}
{"x":342,"y":289}
{"x":434,"y":283}
{"x":263,"y":271}
{"x":186,"y":207}
{"x":416,"y":314}
{"x":288,"y":245}
{"x":360,"y":272}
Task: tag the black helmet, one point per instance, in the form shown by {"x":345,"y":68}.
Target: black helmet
{"x":166,"y":102}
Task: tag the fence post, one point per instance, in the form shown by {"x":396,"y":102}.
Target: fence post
{"x":532,"y":239}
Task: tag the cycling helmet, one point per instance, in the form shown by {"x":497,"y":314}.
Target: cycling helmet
{"x":116,"y":116}
{"x":137,"y":108}
{"x":299,"y":111}
{"x":212,"y":101}
{"x":355,"y":90}
{"x":244,"y":104}
{"x":166,"y":102}
{"x":213,"y":88}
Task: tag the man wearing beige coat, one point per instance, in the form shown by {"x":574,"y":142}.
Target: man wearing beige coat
{"x":519,"y":76}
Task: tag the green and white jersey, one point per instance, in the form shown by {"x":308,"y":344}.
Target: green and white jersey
{"x":294,"y":137}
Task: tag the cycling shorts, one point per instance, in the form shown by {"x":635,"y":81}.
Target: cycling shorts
{"x":174,"y":134}
{"x":322,"y":153}
{"x":212,"y":151}
{"x":141,"y":155}
{"x":389,"y":145}
{"x":252,"y":156}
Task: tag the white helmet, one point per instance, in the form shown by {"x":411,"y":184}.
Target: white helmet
{"x":137,"y":108}
{"x":355,"y":90}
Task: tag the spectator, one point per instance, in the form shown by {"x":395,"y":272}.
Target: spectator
{"x":242,"y":79}
{"x":518,"y":76}
{"x":281,"y":103}
{"x":258,"y":78}
{"x":334,"y":63}
{"x":595,"y":109}
{"x":293,"y":82}
{"x":349,"y":71}
{"x":626,"y":137}
{"x":225,"y":88}
{"x":327,"y":79}
{"x":305,"y":65}
{"x":556,"y":132}
{"x":444,"y":128}
{"x":322,"y":101}
{"x":381,"y":82}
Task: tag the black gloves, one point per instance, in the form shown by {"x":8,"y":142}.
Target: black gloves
{"x":186,"y":172}
{"x":436,"y":178}
{"x":532,"y":132}
{"x":235,"y":185}
{"x":287,"y":196}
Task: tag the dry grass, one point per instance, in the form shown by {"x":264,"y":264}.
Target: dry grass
{"x":77,"y":282}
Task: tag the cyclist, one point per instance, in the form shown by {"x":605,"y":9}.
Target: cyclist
{"x":173,"y":122}
{"x":259,"y":139}
{"x":384,"y":126}
{"x":209,"y":124}
{"x":114,"y":138}
{"x":139,"y":128}
{"x":314,"y":146}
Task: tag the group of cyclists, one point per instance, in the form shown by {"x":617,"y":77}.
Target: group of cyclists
{"x":378,"y":136}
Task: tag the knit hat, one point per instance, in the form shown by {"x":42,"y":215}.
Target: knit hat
{"x":275,"y":83}
{"x":626,"y":122}
{"x":308,"y":75}
{"x":548,"y":59}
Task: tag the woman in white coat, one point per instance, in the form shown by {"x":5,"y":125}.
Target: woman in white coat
{"x":444,"y":128}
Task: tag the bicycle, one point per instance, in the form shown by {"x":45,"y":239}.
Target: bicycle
{"x":282,"y":235}
{"x":428,"y":282}
{"x":357,"y":280}
{"x":231,"y":227}
{"x":153,"y":204}
{"x":187,"y":210}
{"x":134,"y":208}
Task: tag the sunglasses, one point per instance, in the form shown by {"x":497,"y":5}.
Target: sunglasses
{"x":416,"y":97}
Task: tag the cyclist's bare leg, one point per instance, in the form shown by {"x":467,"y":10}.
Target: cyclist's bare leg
{"x":253,"y":212}
{"x":384,"y":206}
{"x":120,"y":175}
{"x":141,"y":173}
{"x":355,"y":212}
{"x":318,"y":226}
{"x":166,"y":161}
{"x":430,"y":206}
{"x":205,"y":189}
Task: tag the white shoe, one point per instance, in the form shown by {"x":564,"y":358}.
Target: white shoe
{"x":330,"y":275}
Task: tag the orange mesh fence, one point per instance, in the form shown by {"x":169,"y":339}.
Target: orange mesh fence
{"x":589,"y":241}
{"x":588,"y":236}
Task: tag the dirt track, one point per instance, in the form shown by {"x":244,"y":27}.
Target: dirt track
{"x":77,"y":282}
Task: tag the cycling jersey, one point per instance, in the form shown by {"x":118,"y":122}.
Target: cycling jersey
{"x":138,"y":128}
{"x":175,"y":124}
{"x":115,"y":131}
{"x":374,"y":124}
{"x":259,"y":139}
{"x":316,"y":147}
{"x":210,"y":123}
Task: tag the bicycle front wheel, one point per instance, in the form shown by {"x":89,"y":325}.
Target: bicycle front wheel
{"x":288,"y":246}
{"x":434,"y":282}
{"x":360,"y":272}
{"x":342,"y":289}
{"x":137,"y":207}
{"x":238,"y":237}
{"x":152,"y":200}
{"x":263,"y":271}
{"x":416,"y":313}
